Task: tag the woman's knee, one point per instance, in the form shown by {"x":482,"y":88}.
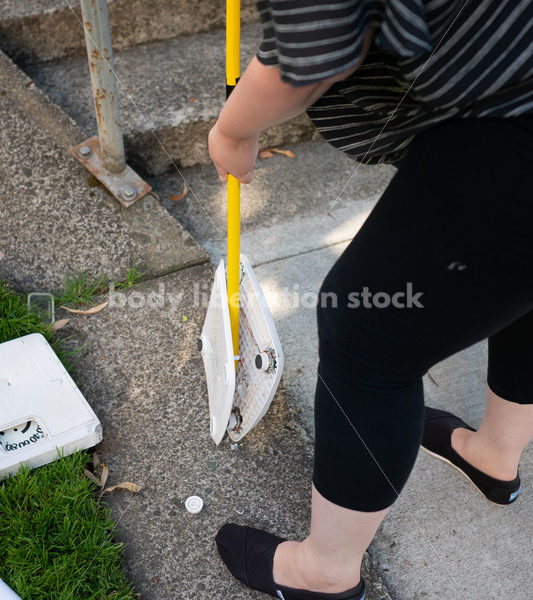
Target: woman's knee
{"x":359,"y":340}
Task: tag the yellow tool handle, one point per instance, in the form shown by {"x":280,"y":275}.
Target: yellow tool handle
{"x":233,"y":41}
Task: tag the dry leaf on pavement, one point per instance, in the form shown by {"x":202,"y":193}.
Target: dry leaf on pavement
{"x":96,"y":460}
{"x":179,"y":196}
{"x":288,"y":153}
{"x":104,"y":475}
{"x":125,"y":485}
{"x":87,"y":311}
{"x":92,"y":477}
{"x":59,"y":324}
{"x":432,"y":379}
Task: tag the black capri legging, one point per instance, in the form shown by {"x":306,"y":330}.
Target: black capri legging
{"x":444,"y":260}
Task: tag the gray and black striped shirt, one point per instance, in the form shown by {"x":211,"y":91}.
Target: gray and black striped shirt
{"x":430,"y":60}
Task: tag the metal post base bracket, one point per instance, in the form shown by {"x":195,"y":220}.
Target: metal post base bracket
{"x":126,"y":187}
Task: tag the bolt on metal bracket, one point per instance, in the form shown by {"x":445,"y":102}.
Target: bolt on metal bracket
{"x":126,"y":187}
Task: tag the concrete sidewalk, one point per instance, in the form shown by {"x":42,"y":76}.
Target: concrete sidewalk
{"x":145,"y":380}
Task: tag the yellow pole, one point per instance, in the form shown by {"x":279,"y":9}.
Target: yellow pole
{"x":233,"y":35}
{"x":233,"y":41}
{"x":233,"y":260}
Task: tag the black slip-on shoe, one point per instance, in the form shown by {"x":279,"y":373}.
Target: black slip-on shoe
{"x":437,"y":441}
{"x":249,"y":555}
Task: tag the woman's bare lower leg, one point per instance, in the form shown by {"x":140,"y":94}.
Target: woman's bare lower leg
{"x":497,"y":446}
{"x":329,"y":559}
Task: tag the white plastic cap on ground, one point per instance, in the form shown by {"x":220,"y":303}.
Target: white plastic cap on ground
{"x":194,"y":504}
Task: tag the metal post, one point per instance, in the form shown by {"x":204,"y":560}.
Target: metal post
{"x":100,"y":53}
{"x":103,"y":155}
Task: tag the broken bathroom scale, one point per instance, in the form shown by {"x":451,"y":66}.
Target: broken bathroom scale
{"x":41,"y":408}
{"x":238,"y":399}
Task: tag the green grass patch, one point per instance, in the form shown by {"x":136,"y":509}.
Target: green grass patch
{"x":56,"y":539}
{"x":16,"y":320}
{"x":81,"y":288}
{"x":133,"y":276}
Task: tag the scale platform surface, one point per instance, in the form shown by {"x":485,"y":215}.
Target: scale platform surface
{"x":239,"y":400}
{"x":41,"y":408}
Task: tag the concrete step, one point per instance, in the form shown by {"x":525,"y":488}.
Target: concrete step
{"x":32,"y":30}
{"x":287,"y":202}
{"x":53,"y":223}
{"x":170,"y":95}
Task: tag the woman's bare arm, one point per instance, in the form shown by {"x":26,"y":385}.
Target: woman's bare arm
{"x":261,"y":99}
